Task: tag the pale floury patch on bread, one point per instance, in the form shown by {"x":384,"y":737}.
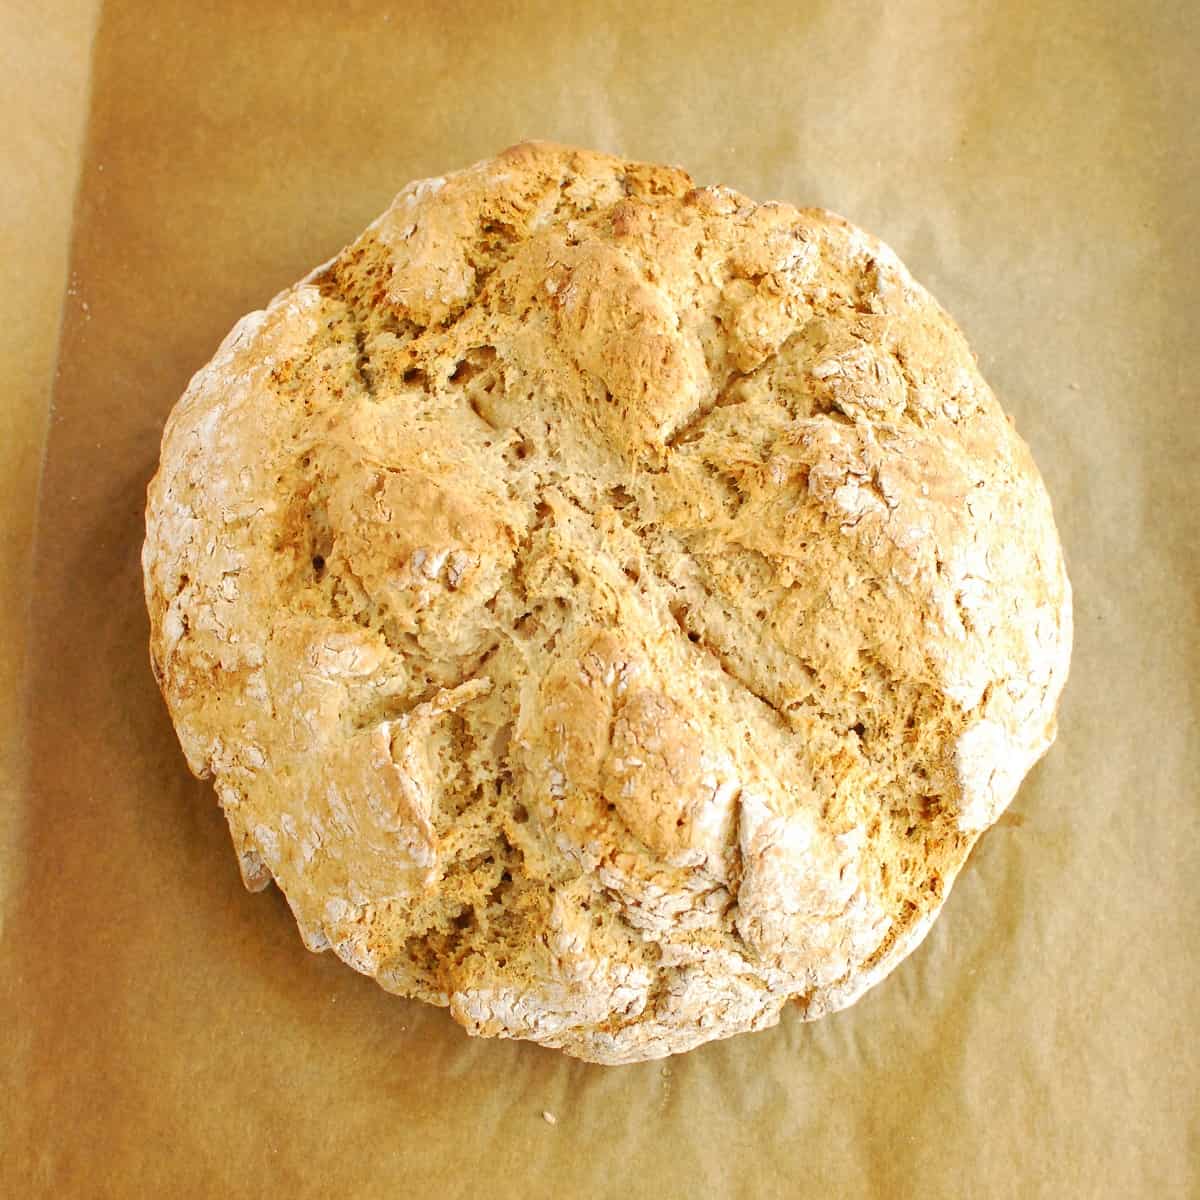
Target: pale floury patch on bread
{"x":608,"y":607}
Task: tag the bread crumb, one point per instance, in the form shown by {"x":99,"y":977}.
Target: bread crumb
{"x":549,"y":1117}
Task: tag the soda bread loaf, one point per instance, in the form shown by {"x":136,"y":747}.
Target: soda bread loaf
{"x":606,"y":606}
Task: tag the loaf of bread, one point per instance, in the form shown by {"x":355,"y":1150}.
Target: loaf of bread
{"x":606,"y":606}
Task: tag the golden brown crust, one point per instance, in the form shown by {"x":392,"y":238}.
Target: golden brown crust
{"x":608,"y":607}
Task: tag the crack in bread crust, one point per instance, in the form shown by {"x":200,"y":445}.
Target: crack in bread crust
{"x":607,"y":607}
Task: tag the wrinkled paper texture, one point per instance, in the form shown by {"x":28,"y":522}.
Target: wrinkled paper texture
{"x":164,"y":1032}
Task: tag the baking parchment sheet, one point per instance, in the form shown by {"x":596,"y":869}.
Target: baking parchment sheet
{"x":165,"y":1033}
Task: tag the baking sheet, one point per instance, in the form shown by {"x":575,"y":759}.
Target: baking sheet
{"x":165,"y":1030}
{"x":45,"y":51}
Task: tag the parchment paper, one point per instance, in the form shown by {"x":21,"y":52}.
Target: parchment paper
{"x":164,"y":1032}
{"x":45,"y":51}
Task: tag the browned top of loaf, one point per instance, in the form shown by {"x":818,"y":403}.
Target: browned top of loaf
{"x":608,"y":606}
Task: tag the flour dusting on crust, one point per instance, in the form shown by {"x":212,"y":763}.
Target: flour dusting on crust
{"x":608,"y":607}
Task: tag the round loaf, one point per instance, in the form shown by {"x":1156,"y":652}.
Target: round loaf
{"x":608,"y":607}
